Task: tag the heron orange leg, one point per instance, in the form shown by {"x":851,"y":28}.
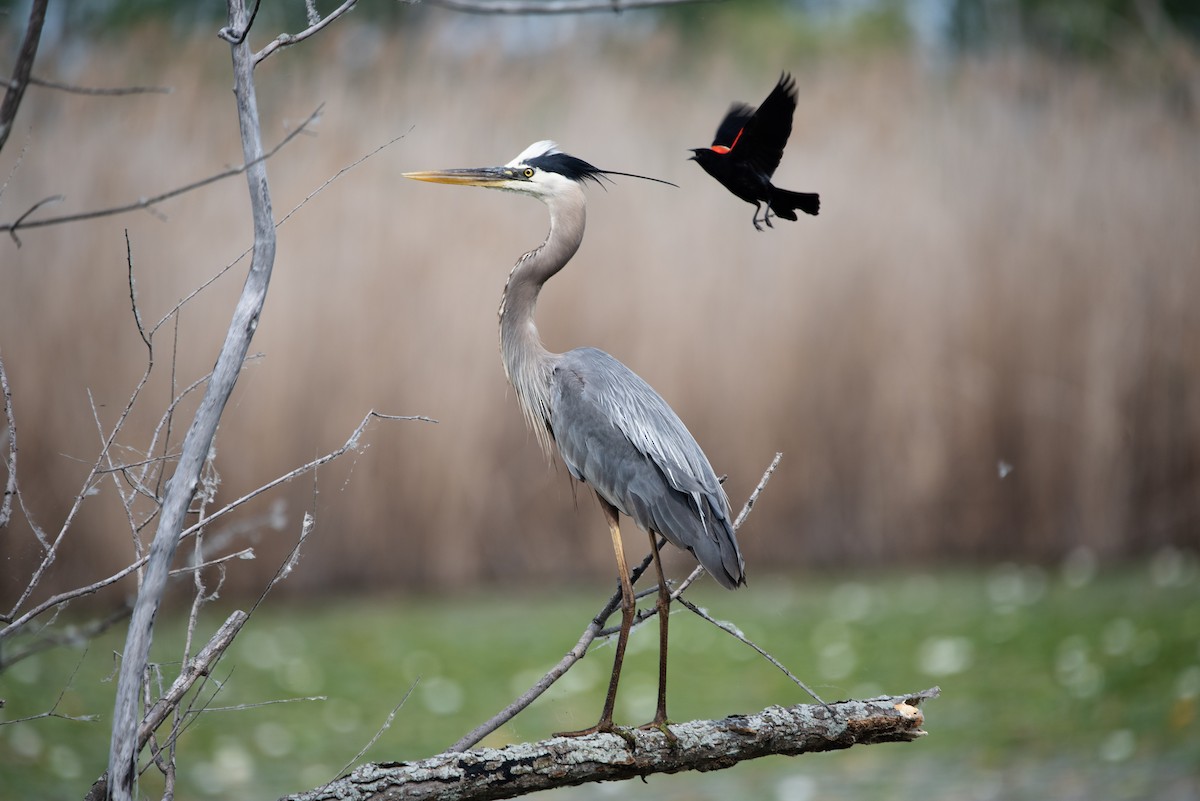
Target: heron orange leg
{"x":605,"y":724}
{"x":664,"y":607}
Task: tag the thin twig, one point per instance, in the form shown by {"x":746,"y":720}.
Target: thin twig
{"x":386,"y":725}
{"x":245,"y":553}
{"x":22,"y":68}
{"x":289,"y":39}
{"x":53,"y":711}
{"x":338,"y":175}
{"x":736,"y":633}
{"x":45,"y":640}
{"x":123,"y":748}
{"x":175,"y":309}
{"x":554,"y":6}
{"x":200,"y":668}
{"x":95,"y":91}
{"x":184,"y":719}
{"x":257,"y":704}
{"x":18,"y":222}
{"x":677,"y":592}
{"x":63,"y":597}
{"x":137,"y":315}
{"x":144,"y":203}
{"x":10,"y":440}
{"x":753,"y":499}
{"x":51,"y":549}
{"x":351,"y":444}
{"x":197,"y":667}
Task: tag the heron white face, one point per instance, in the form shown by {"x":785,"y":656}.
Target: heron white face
{"x":529,"y":174}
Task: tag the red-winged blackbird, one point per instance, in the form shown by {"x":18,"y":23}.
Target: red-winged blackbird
{"x":747,"y":149}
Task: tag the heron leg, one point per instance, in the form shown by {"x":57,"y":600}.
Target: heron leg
{"x":663,"y":606}
{"x":628,"y":606}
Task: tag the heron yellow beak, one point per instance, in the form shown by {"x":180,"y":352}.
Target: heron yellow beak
{"x":474,"y":176}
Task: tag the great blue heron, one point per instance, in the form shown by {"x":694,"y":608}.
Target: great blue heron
{"x":747,"y":149}
{"x":612,"y":430}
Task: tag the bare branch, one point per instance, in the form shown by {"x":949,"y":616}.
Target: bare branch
{"x":22,"y":69}
{"x":350,"y":444}
{"x":122,"y":761}
{"x":65,"y":597}
{"x":175,"y":309}
{"x":554,"y":6}
{"x":492,"y":773}
{"x":53,"y":712}
{"x":338,"y":175}
{"x":736,"y":633}
{"x":245,"y":553}
{"x":74,"y":636}
{"x":10,"y":441}
{"x":258,"y":704}
{"x":118,"y":91}
{"x":145,"y":203}
{"x":315,"y":27}
{"x":196,"y":668}
{"x":51,"y":548}
{"x":753,"y":499}
{"x":12,"y":231}
{"x":137,"y":315}
{"x":386,"y":725}
{"x":58,"y":600}
{"x":237,"y":35}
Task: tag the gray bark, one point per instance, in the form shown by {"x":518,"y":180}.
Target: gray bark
{"x":491,"y":773}
{"x":122,"y":760}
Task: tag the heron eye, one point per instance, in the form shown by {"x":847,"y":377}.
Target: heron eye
{"x":529,"y":172}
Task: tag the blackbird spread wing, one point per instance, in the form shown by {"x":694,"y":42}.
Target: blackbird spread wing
{"x":735,"y":120}
{"x":767,"y":130}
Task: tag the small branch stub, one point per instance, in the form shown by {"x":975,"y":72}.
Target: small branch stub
{"x":516,"y":770}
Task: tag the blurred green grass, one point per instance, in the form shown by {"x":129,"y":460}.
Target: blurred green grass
{"x":1069,"y":682}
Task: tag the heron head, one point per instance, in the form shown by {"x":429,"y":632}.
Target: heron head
{"x":541,"y":170}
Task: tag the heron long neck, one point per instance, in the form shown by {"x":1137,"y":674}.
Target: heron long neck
{"x":526,"y":361}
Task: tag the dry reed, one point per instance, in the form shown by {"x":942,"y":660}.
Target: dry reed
{"x":1003,"y":274}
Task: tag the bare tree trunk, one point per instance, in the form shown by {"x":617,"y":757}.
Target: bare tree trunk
{"x":122,"y":761}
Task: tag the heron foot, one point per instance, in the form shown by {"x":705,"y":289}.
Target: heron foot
{"x":603,"y":727}
{"x":664,"y":727}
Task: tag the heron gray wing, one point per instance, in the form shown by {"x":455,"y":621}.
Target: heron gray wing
{"x":617,"y":434}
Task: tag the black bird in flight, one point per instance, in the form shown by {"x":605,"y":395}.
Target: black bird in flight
{"x":747,"y":149}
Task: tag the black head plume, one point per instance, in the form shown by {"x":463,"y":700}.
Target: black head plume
{"x":575,"y":168}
